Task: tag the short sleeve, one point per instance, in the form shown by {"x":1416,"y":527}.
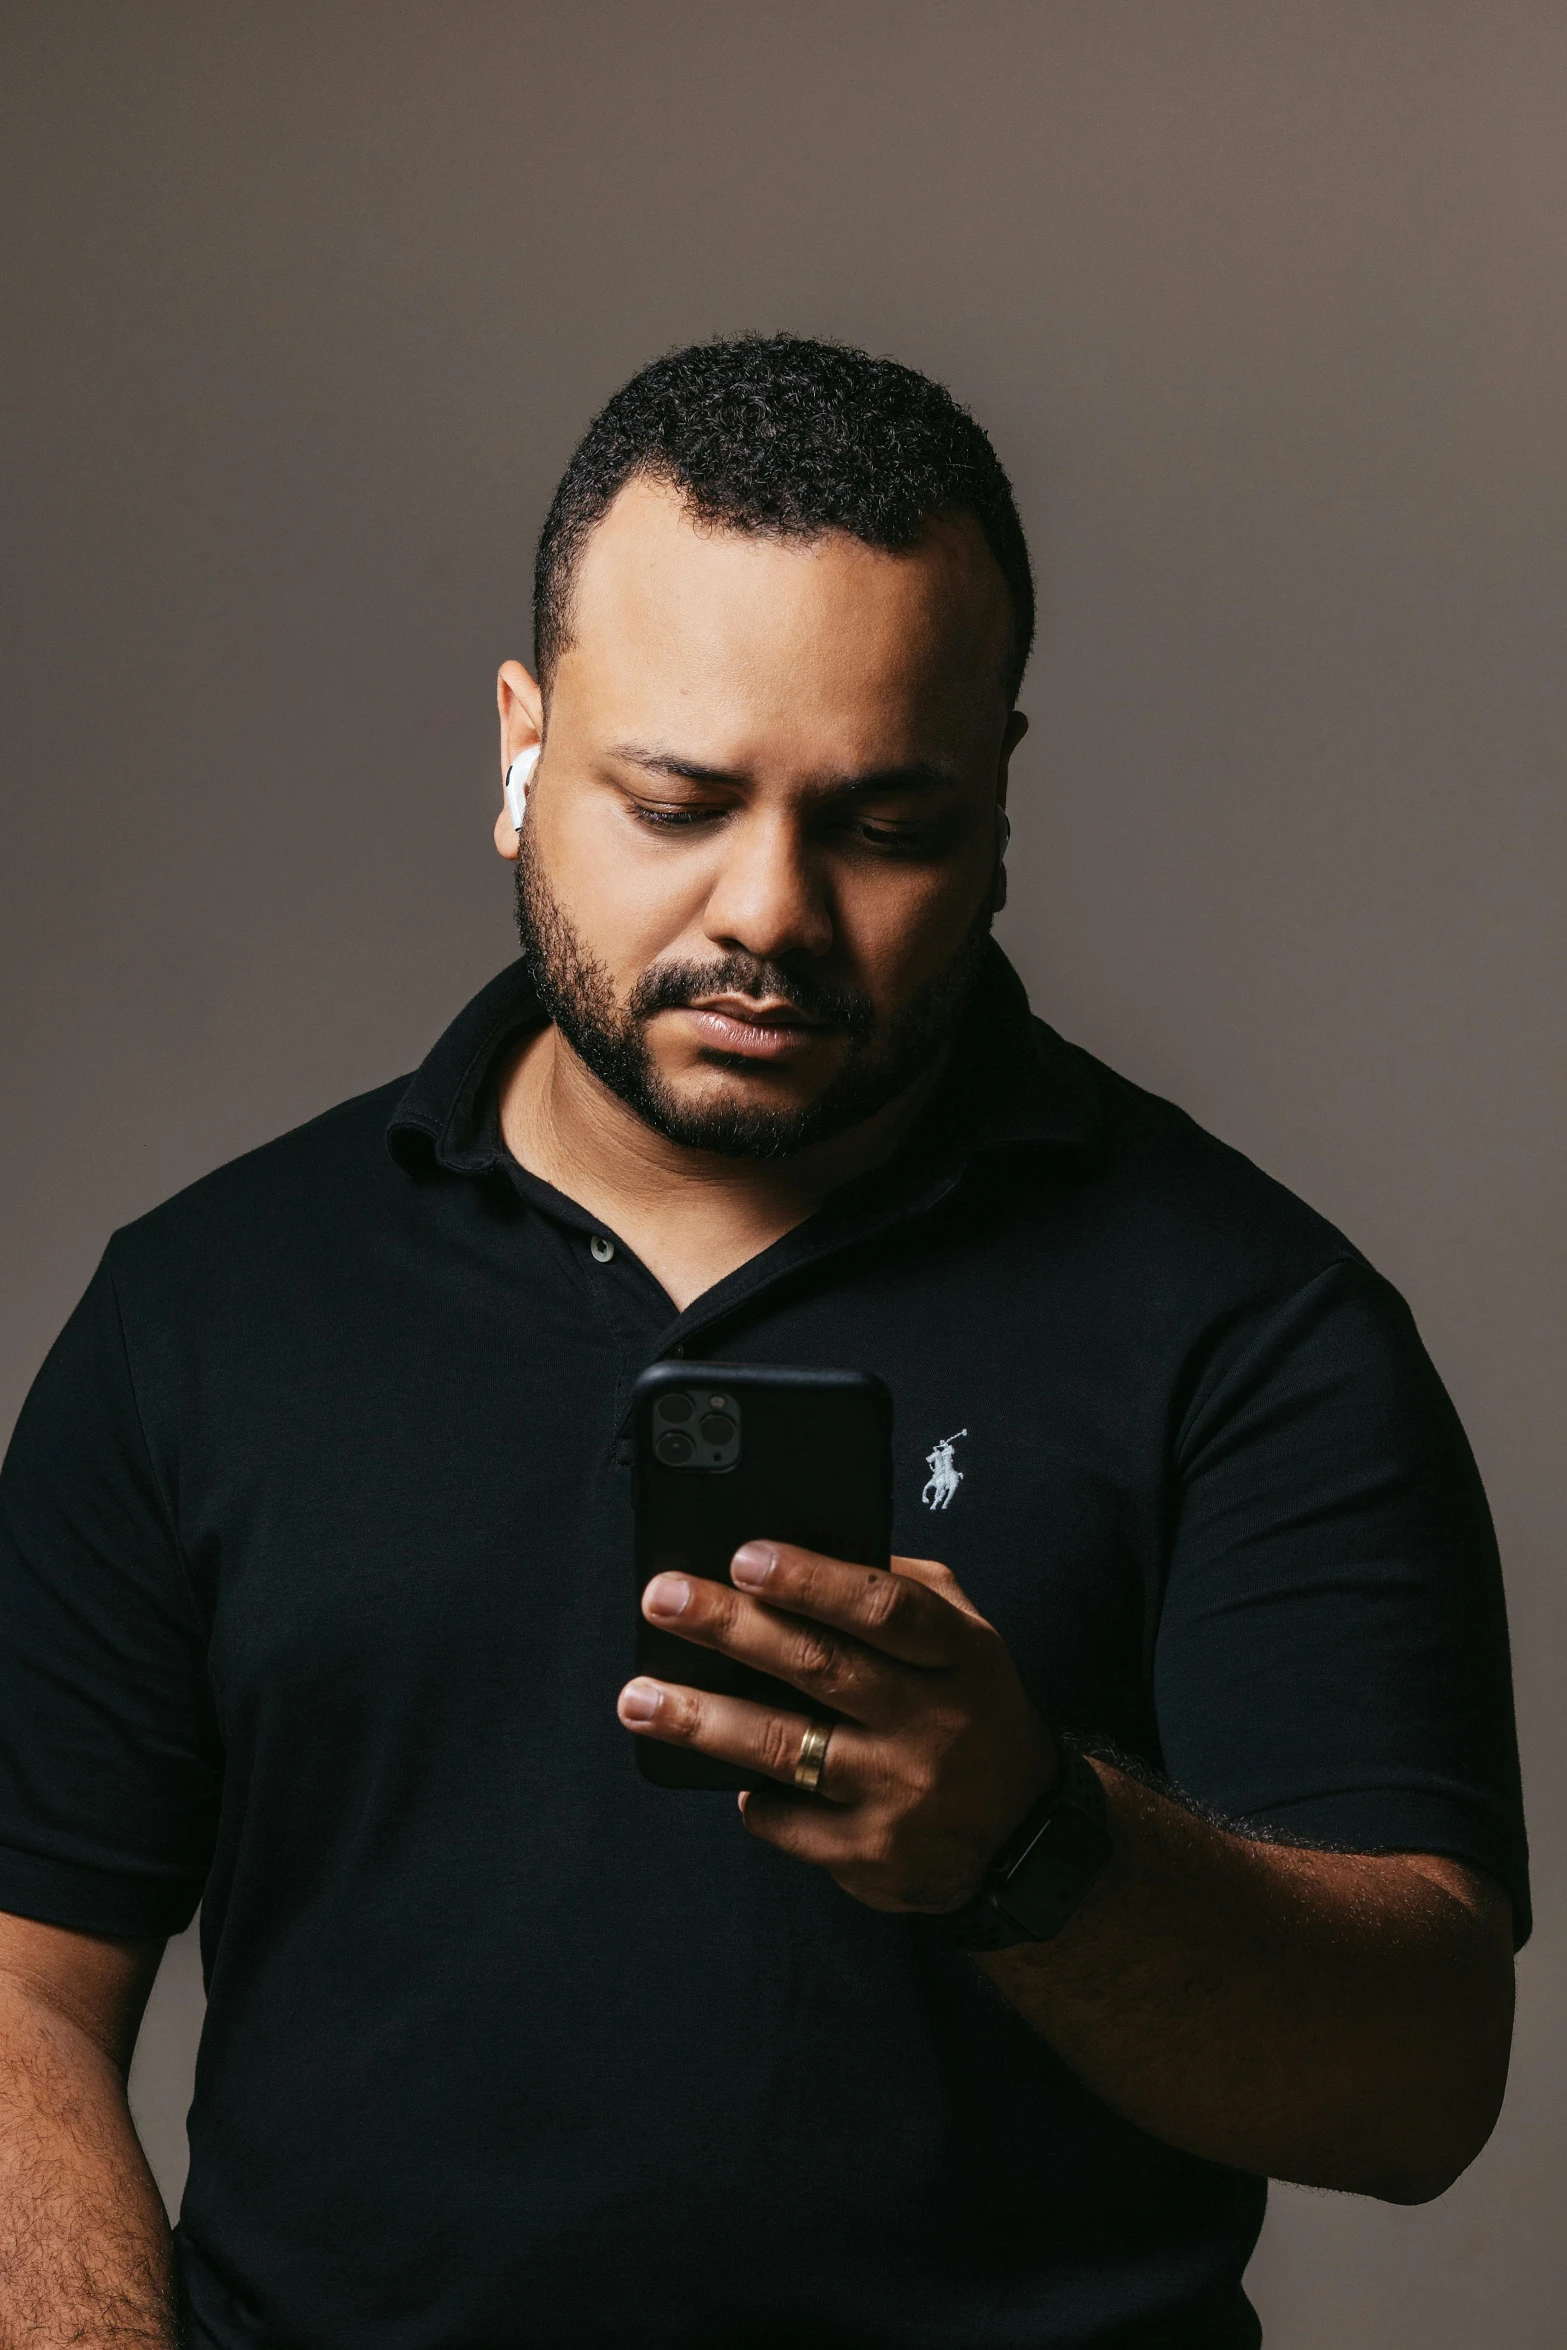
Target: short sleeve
{"x":109,"y":1758}
{"x":1331,"y":1663}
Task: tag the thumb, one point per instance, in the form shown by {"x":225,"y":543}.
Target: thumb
{"x":939,"y":1579}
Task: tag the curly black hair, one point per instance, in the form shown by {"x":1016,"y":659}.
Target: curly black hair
{"x":790,"y":437}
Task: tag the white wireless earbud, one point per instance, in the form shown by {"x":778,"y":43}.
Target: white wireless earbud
{"x":518,"y":777}
{"x":1003,"y":829}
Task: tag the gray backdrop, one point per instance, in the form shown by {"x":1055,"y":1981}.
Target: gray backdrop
{"x":1264,"y":306}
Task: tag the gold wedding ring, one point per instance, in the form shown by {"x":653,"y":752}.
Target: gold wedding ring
{"x":813,"y":1754}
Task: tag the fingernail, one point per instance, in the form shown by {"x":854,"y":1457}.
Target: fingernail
{"x":752,"y":1562}
{"x":668,"y":1595}
{"x":640,"y":1701}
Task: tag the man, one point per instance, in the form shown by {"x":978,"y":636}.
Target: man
{"x":1167,"y":1834}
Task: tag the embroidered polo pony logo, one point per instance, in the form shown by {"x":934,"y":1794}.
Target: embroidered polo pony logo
{"x":945,"y":1476}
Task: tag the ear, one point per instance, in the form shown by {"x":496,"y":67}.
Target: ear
{"x":521,"y":707}
{"x":1016,"y":728}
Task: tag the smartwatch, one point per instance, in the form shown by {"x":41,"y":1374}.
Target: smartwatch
{"x":1044,"y":1869}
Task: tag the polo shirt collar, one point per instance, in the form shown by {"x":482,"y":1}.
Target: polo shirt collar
{"x":1014,"y":1082}
{"x":443,"y":1116}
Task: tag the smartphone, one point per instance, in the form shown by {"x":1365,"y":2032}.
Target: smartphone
{"x":725,"y":1453}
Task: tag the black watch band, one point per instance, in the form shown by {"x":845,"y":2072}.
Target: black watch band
{"x":1043,"y":1870}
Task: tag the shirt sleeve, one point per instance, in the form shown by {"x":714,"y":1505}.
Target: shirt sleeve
{"x":109,"y":1758}
{"x":1331,"y":1665}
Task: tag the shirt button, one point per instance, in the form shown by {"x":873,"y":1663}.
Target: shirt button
{"x":602,"y":1249}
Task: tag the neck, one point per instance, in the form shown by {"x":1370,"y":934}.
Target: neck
{"x":692,"y":1216}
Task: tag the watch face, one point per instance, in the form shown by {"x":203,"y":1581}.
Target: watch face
{"x":1050,"y":1879}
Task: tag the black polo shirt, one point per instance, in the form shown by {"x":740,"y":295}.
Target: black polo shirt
{"x":316,"y":1594}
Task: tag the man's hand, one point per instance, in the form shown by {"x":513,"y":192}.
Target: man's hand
{"x":1338,"y":2018}
{"x":939,"y":1753}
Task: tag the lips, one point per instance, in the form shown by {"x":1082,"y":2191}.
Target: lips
{"x":761,"y":1032}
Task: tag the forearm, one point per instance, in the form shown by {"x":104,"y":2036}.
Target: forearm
{"x":85,"y":2256}
{"x":1334,"y":2018}
{"x":1337,"y":2019}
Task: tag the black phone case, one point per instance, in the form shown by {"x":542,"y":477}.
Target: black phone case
{"x":814,"y":1468}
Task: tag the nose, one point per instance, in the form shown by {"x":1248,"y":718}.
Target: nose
{"x":769,"y":899}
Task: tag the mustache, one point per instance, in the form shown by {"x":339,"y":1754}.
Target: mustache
{"x":673,"y":987}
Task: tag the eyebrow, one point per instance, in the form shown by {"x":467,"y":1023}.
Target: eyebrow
{"x":918,"y":775}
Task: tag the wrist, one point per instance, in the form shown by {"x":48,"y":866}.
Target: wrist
{"x":1045,"y":1869}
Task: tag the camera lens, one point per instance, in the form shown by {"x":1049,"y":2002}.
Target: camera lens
{"x":716,"y":1429}
{"x":674,"y":1448}
{"x":674,"y":1407}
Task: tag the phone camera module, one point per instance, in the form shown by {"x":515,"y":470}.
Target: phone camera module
{"x":695,"y":1430}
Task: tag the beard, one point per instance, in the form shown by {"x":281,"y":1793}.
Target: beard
{"x":883,"y":1058}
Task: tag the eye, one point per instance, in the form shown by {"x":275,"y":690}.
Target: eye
{"x":662,"y":816}
{"x":906,"y":840}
